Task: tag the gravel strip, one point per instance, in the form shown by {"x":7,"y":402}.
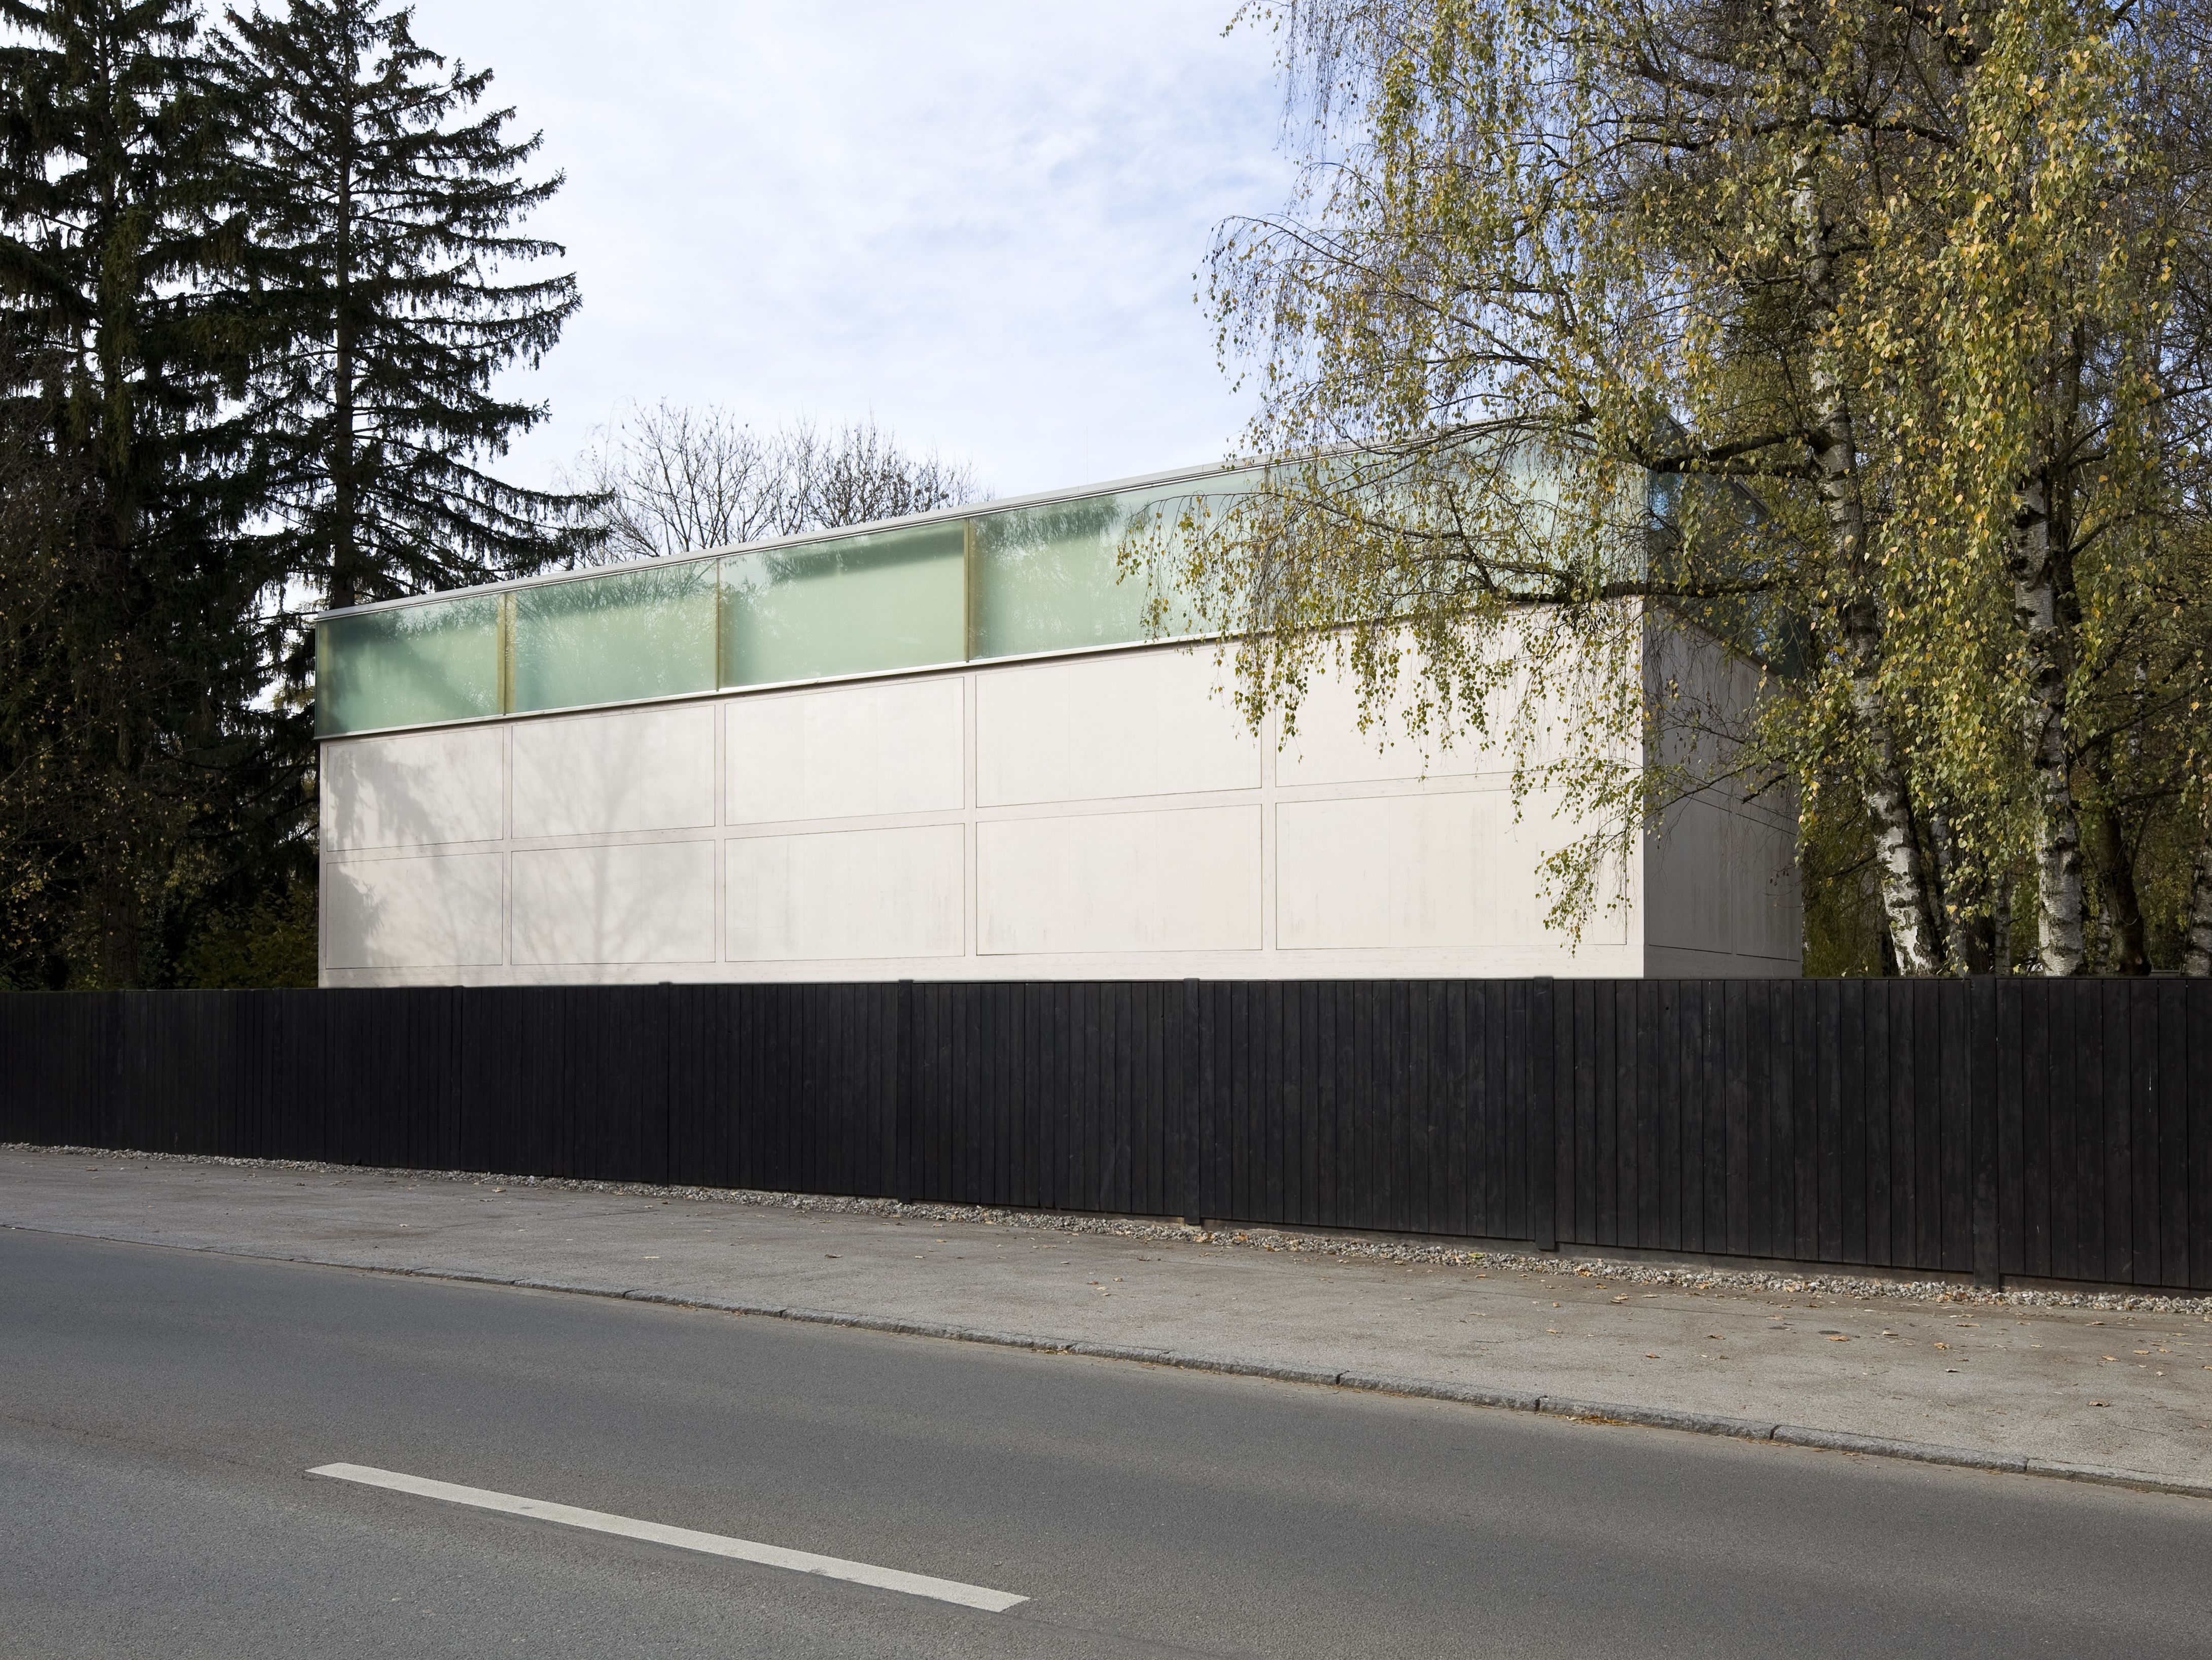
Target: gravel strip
{"x":1614,"y":1269}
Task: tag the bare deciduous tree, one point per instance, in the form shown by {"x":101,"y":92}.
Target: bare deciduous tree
{"x":675,"y":478}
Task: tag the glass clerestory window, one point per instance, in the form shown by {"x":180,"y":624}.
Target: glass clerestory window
{"x":619,"y":638}
{"x":895,"y":600}
{"x":413,"y":665}
{"x":1020,"y":581}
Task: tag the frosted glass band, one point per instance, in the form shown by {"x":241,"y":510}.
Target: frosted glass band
{"x":1048,"y":577}
{"x":418,"y":666}
{"x":1022,"y":580}
{"x":619,"y":638}
{"x":895,"y":599}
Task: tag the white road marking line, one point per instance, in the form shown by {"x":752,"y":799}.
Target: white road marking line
{"x":713,"y":1544}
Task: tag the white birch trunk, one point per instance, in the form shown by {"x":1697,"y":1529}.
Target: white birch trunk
{"x":2197,"y":955}
{"x":1832,"y":442}
{"x":2057,"y":822}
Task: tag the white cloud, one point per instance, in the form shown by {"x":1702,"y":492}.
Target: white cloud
{"x":980,"y":222}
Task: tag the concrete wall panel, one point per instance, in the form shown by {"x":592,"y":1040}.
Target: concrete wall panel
{"x":854,"y":751}
{"x":651,"y":902}
{"x":645,"y":770}
{"x":1185,"y":880}
{"x":1411,"y":872}
{"x":415,"y":789}
{"x":1722,"y":881}
{"x":1097,"y":728}
{"x":439,"y":911}
{"x":1329,"y":748}
{"x":846,"y":894}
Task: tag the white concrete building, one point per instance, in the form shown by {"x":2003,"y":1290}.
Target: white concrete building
{"x":933,"y":750}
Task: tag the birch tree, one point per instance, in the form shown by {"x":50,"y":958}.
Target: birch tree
{"x":1839,"y":329}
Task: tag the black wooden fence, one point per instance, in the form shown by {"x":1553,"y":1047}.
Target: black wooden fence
{"x":2017,"y":1126}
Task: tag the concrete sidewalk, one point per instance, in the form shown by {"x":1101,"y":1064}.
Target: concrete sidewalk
{"x":2126,"y":1391}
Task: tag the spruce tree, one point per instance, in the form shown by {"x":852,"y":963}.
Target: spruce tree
{"x":135,"y":771}
{"x":387,"y":209}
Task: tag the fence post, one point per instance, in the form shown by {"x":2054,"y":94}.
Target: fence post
{"x":1543,"y":1117}
{"x":1193,"y":1151}
{"x":1982,"y":1124}
{"x":902,"y":1173}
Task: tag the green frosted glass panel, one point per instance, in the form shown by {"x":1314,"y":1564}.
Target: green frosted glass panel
{"x":895,"y":600}
{"x":1048,"y":578}
{"x":413,"y":665}
{"x":613,"y":639}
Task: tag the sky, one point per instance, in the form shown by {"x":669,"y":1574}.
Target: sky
{"x":982,"y":223}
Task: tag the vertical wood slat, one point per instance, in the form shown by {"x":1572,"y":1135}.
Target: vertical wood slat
{"x":1937,"y":1157}
{"x":2013,"y":1200}
{"x":1461,"y":1107}
{"x":1757,"y":1049}
{"x":1579,"y":1129}
{"x":2197,"y":1045}
{"x":2071,"y":1211}
{"x":1888,"y":1104}
{"x":2116,"y":1162}
{"x":1693,"y":1101}
{"x":2039,"y":1171}
{"x":2169,"y":1023}
{"x":1631,"y":1040}
{"x":2144,"y":1188}
{"x":1647,"y":1039}
{"x":1941,"y":1008}
{"x":1542,"y":1042}
{"x":1805,"y":1101}
{"x":1979,"y":997}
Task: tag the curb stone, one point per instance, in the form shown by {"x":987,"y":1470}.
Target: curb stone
{"x":1923,"y":1452}
{"x":1286,"y":1374}
{"x":1661,"y":1418}
{"x":1695,"y":1423}
{"x":1426,"y":1388}
{"x":1121,"y":1352}
{"x":2100,"y":1475}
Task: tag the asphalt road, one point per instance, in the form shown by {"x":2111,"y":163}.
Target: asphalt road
{"x":159,"y":1411}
